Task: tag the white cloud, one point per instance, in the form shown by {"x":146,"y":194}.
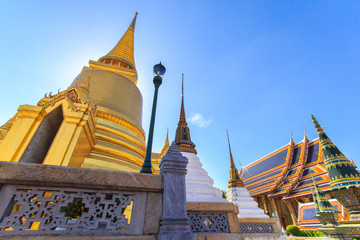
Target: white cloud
{"x":198,"y":120}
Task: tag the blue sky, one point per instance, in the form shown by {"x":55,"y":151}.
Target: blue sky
{"x":257,"y":68}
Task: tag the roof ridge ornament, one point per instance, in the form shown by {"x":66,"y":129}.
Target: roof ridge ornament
{"x":323,"y":126}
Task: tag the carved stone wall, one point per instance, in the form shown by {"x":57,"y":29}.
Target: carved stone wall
{"x":257,"y":228}
{"x":202,"y":222}
{"x":61,"y":210}
{"x":260,"y":229}
{"x":37,"y":199}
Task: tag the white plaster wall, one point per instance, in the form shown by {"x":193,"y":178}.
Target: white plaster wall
{"x":199,"y":185}
{"x":247,"y":206}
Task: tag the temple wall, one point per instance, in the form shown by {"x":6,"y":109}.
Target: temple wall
{"x":53,"y":188}
{"x":57,"y":202}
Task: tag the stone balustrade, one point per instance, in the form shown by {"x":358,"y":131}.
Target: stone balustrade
{"x":38,"y":199}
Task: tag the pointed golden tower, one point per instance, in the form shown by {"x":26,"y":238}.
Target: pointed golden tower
{"x":166,"y":145}
{"x":182,"y":136}
{"x":123,"y":53}
{"x":95,"y":123}
{"x":120,"y":138}
{"x":235,"y":180}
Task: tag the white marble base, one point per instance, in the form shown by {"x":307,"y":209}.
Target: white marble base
{"x":248,"y":208}
{"x":199,"y":185}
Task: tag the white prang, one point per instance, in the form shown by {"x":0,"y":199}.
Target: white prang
{"x":247,"y":206}
{"x":199,"y":185}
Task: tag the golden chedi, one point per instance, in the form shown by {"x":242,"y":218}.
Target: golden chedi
{"x":95,"y":123}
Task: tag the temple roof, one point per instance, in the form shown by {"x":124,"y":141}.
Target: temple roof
{"x":182,"y":136}
{"x":287,"y":171}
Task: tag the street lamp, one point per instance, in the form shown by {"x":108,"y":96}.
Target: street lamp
{"x":159,"y":71}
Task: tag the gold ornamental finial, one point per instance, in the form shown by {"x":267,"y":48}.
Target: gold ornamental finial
{"x":323,"y":126}
{"x":232,"y":164}
{"x":305,"y":136}
{"x":124,"y":49}
{"x":133,"y":21}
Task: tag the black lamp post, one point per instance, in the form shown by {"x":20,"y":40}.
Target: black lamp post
{"x":159,"y":71}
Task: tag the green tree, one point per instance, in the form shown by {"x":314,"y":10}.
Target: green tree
{"x":223,"y":194}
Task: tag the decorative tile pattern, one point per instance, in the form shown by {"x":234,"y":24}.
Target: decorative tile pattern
{"x":265,"y":165}
{"x":203,"y":222}
{"x":296,"y":156}
{"x":62,"y":210}
{"x":313,"y":153}
{"x":256,"y":228}
{"x":309,"y":214}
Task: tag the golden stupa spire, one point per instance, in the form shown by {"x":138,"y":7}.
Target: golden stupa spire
{"x":235,"y":180}
{"x":232,"y":164}
{"x":124,"y":49}
{"x":166,"y":145}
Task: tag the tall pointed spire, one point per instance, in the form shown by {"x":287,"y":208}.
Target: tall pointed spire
{"x":323,"y":204}
{"x":232,"y":164}
{"x":167,"y":138}
{"x":340,"y":169}
{"x":235,"y":180}
{"x":182,"y":136}
{"x":123,"y":52}
{"x":166,"y":145}
{"x":182,"y":109}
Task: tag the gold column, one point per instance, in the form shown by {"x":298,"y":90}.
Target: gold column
{"x":66,"y":138}
{"x":292,"y":212}
{"x":20,"y":134}
{"x":275,"y":207}
{"x":263,"y":199}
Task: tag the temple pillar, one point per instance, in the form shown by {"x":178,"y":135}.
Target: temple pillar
{"x":27,"y":121}
{"x":175,"y":224}
{"x":277,"y":212}
{"x":292,"y":212}
{"x":275,"y":207}
{"x":263,"y":200}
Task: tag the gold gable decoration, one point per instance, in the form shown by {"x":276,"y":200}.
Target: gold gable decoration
{"x":72,"y":96}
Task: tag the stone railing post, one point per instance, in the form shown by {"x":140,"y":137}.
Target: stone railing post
{"x":175,"y":224}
